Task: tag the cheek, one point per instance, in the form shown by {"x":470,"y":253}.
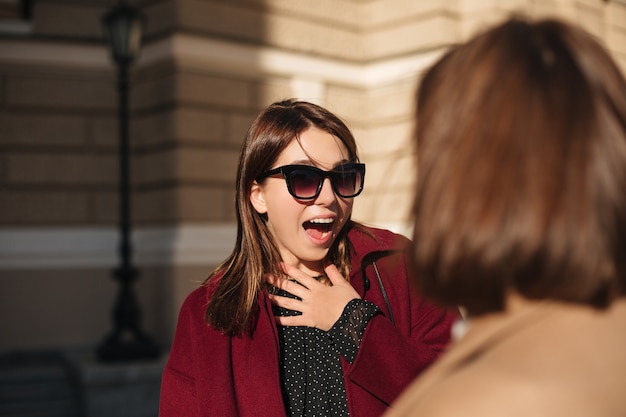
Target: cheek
{"x":284,"y":221}
{"x":281,"y":210}
{"x":281,"y":206}
{"x":345,"y":209}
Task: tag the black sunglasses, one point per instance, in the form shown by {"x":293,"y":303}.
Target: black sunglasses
{"x":305,"y":182}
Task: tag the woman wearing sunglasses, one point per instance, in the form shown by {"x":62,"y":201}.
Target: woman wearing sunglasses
{"x":312,"y":314}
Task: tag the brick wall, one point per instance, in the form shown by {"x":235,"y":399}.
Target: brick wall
{"x":205,"y":70}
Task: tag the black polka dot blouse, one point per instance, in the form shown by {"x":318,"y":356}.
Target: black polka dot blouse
{"x":311,"y":373}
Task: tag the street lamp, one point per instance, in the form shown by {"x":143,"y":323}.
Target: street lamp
{"x":123,"y":26}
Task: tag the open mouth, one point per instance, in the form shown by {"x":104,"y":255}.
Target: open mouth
{"x":318,"y":228}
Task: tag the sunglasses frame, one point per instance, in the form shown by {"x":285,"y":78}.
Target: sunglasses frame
{"x":286,"y":170}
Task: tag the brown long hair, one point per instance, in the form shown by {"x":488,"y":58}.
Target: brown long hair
{"x":521,"y":183}
{"x":231,"y":308}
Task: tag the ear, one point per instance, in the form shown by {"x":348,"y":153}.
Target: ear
{"x":257,"y":198}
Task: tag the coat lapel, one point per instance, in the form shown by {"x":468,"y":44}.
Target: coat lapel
{"x":255,"y":371}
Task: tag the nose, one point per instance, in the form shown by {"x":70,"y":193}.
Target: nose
{"x":327,"y":194}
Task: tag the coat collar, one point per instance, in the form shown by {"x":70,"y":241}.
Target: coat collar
{"x":368,"y":245}
{"x":368,"y":240}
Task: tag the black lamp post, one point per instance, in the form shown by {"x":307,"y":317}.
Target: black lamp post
{"x":123,"y":27}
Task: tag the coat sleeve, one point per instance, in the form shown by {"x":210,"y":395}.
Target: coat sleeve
{"x":178,"y":384}
{"x":392,"y":355}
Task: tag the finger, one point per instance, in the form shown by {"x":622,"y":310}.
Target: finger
{"x":334,"y":275}
{"x":277,"y":282}
{"x":286,"y":302}
{"x":270,"y":278}
{"x":301,"y":277}
{"x":292,"y":287}
{"x":292,"y":321}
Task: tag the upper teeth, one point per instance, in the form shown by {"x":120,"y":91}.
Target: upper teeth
{"x":328,"y":220}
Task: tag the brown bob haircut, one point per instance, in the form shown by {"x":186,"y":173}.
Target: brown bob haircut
{"x":521,"y":176}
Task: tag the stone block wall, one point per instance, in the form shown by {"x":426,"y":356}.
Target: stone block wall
{"x":205,"y":70}
{"x":54,"y":167}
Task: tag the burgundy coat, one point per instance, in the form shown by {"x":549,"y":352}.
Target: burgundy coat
{"x":209,"y":374}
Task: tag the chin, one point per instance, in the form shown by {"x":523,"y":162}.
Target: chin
{"x":317,"y":256}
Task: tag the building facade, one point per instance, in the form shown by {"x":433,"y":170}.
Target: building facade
{"x":205,"y":70}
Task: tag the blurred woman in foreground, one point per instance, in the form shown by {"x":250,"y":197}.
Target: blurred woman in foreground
{"x":520,"y":217}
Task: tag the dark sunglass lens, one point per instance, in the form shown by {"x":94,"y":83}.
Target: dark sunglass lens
{"x":348,"y":182}
{"x":304,"y":183}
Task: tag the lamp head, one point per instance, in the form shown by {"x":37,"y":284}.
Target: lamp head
{"x":123,"y":29}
